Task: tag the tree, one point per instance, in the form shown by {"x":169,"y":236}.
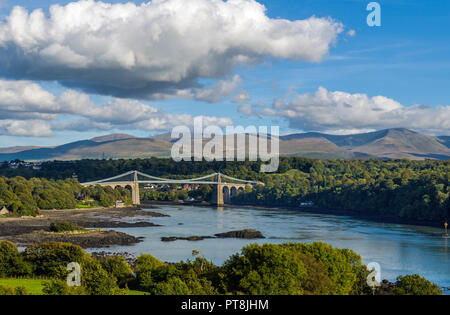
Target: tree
{"x":267,"y":269}
{"x":51,"y":259}
{"x":97,"y":281}
{"x":60,"y":287}
{"x":415,"y":285}
{"x":339,"y":267}
{"x":145,"y":266}
{"x":118,"y":267}
{"x":11,"y":262}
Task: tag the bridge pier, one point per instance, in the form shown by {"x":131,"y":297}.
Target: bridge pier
{"x":224,"y":193}
{"x":217,"y":196}
{"x":135,"y":195}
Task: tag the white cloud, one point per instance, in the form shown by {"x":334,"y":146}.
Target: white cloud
{"x":25,"y":96}
{"x":25,"y":128}
{"x":246,"y":109}
{"x":25,"y":105}
{"x":242,"y":96}
{"x":219,"y":90}
{"x":163,"y":46}
{"x":333,"y":111}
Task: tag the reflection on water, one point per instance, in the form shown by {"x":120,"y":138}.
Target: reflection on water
{"x":399,"y":249}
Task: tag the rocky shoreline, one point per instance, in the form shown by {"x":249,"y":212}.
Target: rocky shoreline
{"x":90,"y":239}
{"x":248,"y":234}
{"x":26,"y":231}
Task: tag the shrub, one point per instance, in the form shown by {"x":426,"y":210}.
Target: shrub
{"x":118,"y":267}
{"x":415,"y":285}
{"x":174,"y":286}
{"x":64,"y":227}
{"x":145,"y":266}
{"x":4,"y":290}
{"x":267,"y":269}
{"x":339,"y":264}
{"x":51,"y":259}
{"x":60,"y":287}
{"x":11,"y":262}
{"x":97,"y":281}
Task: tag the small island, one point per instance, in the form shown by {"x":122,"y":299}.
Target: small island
{"x":244,"y":234}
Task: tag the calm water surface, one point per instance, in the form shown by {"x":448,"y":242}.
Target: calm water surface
{"x":399,"y":249}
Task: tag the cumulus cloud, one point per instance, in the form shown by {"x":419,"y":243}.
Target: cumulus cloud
{"x":327,"y":111}
{"x":242,"y":96}
{"x":246,"y":109}
{"x":26,"y":109}
{"x":217,"y":92}
{"x":163,"y":46}
{"x":25,"y":128}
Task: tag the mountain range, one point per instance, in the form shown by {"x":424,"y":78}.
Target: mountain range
{"x":386,"y":144}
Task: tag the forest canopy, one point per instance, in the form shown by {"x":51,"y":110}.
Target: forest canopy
{"x":403,"y":189}
{"x":27,"y":197}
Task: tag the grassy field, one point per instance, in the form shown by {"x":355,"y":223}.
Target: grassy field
{"x":34,"y":286}
{"x":134,"y":292}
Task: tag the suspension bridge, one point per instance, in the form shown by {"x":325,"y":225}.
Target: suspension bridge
{"x":224,"y":187}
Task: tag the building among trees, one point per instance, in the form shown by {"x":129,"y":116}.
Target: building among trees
{"x":4,"y":211}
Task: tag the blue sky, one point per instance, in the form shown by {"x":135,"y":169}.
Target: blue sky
{"x":405,"y":60}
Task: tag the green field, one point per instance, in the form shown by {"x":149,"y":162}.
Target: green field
{"x":33,"y":286}
{"x":134,"y":292}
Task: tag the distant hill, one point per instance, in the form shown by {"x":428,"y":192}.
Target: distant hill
{"x":386,"y":144}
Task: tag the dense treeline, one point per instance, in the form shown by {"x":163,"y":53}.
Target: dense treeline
{"x":27,"y":197}
{"x":403,"y":189}
{"x":412,"y":190}
{"x":286,"y":269}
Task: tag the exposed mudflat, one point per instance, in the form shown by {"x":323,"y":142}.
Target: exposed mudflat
{"x":27,"y":230}
{"x":90,"y":239}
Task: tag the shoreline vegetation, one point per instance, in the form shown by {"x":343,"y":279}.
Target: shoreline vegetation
{"x":27,"y":231}
{"x":397,"y":191}
{"x":269,"y":269}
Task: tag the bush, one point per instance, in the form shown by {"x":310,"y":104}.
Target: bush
{"x":174,"y":286}
{"x":145,"y":265}
{"x":415,"y":285}
{"x":11,"y":262}
{"x":97,"y":281}
{"x":60,"y":287}
{"x":4,"y":290}
{"x":118,"y":267}
{"x":340,"y":265}
{"x":267,"y":269}
{"x":65,"y":227}
{"x":51,"y":259}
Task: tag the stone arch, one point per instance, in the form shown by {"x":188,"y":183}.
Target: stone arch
{"x":128,"y":187}
{"x":233,"y":192}
{"x":226,"y":194}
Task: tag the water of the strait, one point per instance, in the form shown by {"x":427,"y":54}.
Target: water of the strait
{"x":399,"y":249}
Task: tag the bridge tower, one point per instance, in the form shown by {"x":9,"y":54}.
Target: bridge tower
{"x":217,"y":194}
{"x":135,"y":190}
